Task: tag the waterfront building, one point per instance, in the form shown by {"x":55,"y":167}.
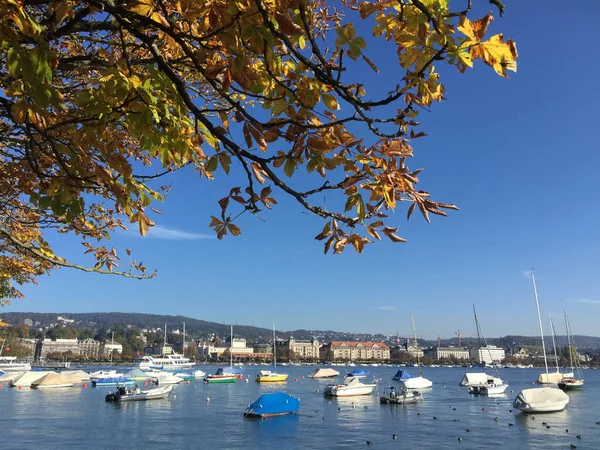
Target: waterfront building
{"x":238,"y":348}
{"x":107,"y":348}
{"x":303,"y":349}
{"x":89,"y":348}
{"x":355,"y":351}
{"x":488,"y":355}
{"x":438,"y":353}
{"x":45,"y":346}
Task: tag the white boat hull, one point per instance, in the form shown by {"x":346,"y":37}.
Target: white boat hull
{"x":344,"y":391}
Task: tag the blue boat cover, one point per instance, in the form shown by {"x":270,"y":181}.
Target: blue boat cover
{"x":137,"y":373}
{"x":1,"y":373}
{"x":401,"y":375}
{"x":275,"y":403}
{"x":359,"y":373}
{"x":230,"y":370}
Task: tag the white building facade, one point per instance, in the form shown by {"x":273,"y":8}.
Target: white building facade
{"x":488,"y":355}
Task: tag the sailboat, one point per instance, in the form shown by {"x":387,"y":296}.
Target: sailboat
{"x":544,"y":399}
{"x":491,"y":385}
{"x":569,"y":383}
{"x":556,"y":377}
{"x":417,"y":382}
{"x":224,"y":375}
{"x":478,"y":378}
{"x":270,"y":376}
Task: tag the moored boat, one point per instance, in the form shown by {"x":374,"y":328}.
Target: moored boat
{"x":214,"y":378}
{"x":323,"y":373}
{"x":267,"y":376}
{"x":28,"y":378}
{"x":540,"y":400}
{"x":544,"y":399}
{"x":10,"y":364}
{"x":401,"y":375}
{"x":54,"y":380}
{"x":113,"y":381}
{"x":135,"y":395}
{"x":271,"y":405}
{"x":358,"y":373}
{"x":271,"y":376}
{"x":571,"y":383}
{"x":394,"y":396}
{"x":352,"y":386}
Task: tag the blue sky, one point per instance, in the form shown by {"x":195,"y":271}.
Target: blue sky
{"x":519,"y":157}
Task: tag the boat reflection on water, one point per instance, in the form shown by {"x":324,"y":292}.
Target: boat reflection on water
{"x":556,"y":423}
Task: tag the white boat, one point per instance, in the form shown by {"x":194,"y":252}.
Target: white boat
{"x":199,"y":374}
{"x":417,"y":382}
{"x":556,"y":377}
{"x":28,"y":378}
{"x":123,"y":394}
{"x":323,"y":373}
{"x":478,"y":378}
{"x":10,"y":376}
{"x":538,"y":400}
{"x":54,"y":380}
{"x":10,"y":364}
{"x":352,"y":386}
{"x":490,"y":385}
{"x":569,"y":383}
{"x":163,"y":378}
{"x":490,"y":389}
{"x":99,"y":374}
{"x":167,"y":360}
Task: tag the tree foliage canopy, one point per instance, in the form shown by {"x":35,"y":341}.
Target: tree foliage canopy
{"x":102,"y":98}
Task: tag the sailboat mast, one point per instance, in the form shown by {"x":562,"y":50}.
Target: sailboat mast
{"x":554,"y":342}
{"x":274,"y":346}
{"x":537,"y":305}
{"x":412,"y":319}
{"x":183,"y":346}
{"x":231,"y":347}
{"x":478,"y":335}
{"x":112,"y":346}
{"x":569,"y":343}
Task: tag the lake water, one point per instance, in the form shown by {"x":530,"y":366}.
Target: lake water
{"x":79,"y":417}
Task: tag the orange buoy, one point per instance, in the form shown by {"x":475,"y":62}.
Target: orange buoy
{"x":187,"y":382}
{"x":296,"y":380}
{"x":145,"y":383}
{"x":84,"y":385}
{"x":19,"y":387}
{"x":303,"y":377}
{"x":0,"y":385}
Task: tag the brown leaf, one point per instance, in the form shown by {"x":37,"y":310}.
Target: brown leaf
{"x":328,"y":244}
{"x":411,"y":209}
{"x":373,"y":233}
{"x":480,"y":26}
{"x":234,"y":229}
{"x":287,"y":26}
{"x":258,"y":172}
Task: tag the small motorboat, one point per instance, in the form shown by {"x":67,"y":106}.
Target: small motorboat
{"x":352,"y":386}
{"x":271,"y":405}
{"x":124,"y":394}
{"x":488,"y":389}
{"x":394,"y":396}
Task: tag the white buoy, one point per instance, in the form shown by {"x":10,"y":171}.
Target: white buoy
{"x":207,"y":399}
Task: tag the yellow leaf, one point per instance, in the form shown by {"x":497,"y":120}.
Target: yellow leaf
{"x":502,"y":56}
{"x":19,"y":111}
{"x":330,"y":102}
{"x":143,"y":7}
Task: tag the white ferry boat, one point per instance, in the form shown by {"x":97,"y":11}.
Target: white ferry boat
{"x":10,"y":364}
{"x":173,"y":361}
